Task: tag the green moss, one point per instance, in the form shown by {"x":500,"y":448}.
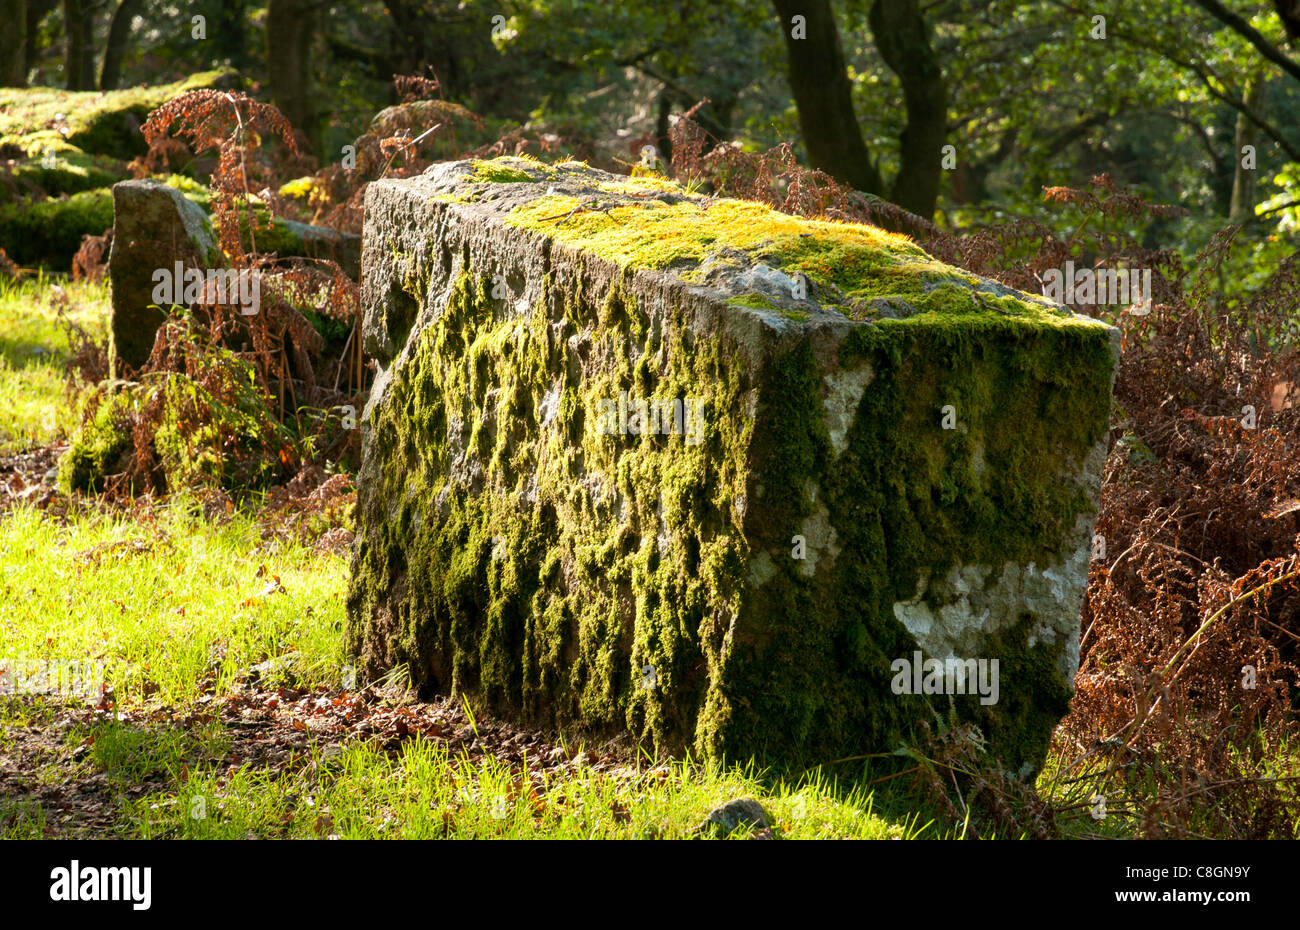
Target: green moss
{"x":194,"y":191}
{"x":215,"y":431}
{"x":639,"y":186}
{"x":510,"y":170}
{"x":753,"y":302}
{"x":69,"y":170}
{"x":301,"y":188}
{"x":225,"y":438}
{"x":579,"y":560}
{"x":809,"y":675}
{"x":544,"y":625}
{"x":97,"y":449}
{"x":1029,"y":400}
{"x":99,"y":123}
{"x":269,"y":233}
{"x":763,"y":302}
{"x":848,"y":265}
{"x":516,"y":169}
{"x":49,"y":232}
{"x":38,"y":142}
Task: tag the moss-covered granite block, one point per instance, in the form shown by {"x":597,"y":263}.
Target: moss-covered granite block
{"x":644,"y":462}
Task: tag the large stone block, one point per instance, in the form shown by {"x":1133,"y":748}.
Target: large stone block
{"x":154,"y":227}
{"x":642,"y":461}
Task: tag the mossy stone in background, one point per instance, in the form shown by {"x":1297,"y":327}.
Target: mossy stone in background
{"x":154,"y":228}
{"x":68,"y":148}
{"x":95,"y":122}
{"x":49,"y":232}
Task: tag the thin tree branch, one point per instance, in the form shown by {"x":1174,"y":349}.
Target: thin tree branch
{"x":1252,"y":35}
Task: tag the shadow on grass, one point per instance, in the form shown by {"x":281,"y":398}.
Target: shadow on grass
{"x":23,"y":354}
{"x":92,"y":775}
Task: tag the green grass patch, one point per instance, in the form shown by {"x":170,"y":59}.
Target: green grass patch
{"x":172,"y":606}
{"x":176,"y":607}
{"x":131,"y":754}
{"x":425,"y":792}
{"x":33,"y":351}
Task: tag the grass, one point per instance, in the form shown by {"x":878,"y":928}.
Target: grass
{"x":1075,"y":790}
{"x":424,"y":792}
{"x":170,"y":604}
{"x":33,"y":352}
{"x":176,"y":607}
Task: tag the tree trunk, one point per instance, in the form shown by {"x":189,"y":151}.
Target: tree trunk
{"x":663,"y":139}
{"x":903,"y":39}
{"x":37,"y":10}
{"x":119,"y":35}
{"x":820,"y":84}
{"x":290,"y":32}
{"x":13,"y":54}
{"x":79,"y":52}
{"x":232,"y":34}
{"x":1242,"y":207}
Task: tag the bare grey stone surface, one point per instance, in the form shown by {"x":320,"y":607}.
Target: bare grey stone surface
{"x":727,"y":818}
{"x":154,"y":226}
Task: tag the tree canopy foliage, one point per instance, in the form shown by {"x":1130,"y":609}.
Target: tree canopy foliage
{"x":1161,"y":95}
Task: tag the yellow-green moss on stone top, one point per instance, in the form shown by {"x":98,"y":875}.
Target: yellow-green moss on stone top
{"x":655,"y":234}
{"x":861,"y":263}
{"x":510,"y":170}
{"x":639,"y":184}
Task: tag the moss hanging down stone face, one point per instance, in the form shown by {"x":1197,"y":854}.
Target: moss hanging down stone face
{"x":847,"y":454}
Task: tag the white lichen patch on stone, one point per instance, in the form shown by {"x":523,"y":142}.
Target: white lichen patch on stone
{"x":819,"y":535}
{"x":954,"y":614}
{"x":550,"y":405}
{"x":761,"y":569}
{"x":840,"y":398}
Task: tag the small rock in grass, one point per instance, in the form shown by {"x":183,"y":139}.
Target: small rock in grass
{"x":726,"y":818}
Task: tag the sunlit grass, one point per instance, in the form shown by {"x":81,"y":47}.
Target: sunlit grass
{"x":33,"y":352}
{"x":174,"y":607}
{"x":169,"y":604}
{"x":425,"y":792}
